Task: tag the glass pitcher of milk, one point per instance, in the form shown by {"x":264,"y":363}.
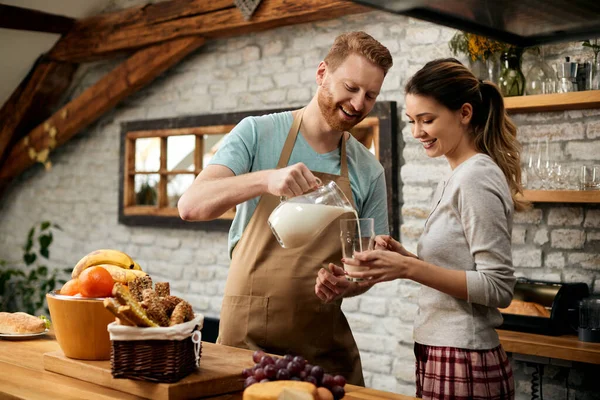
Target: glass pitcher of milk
{"x":297,"y":220}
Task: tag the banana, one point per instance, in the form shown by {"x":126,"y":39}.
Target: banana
{"x":137,"y":266}
{"x":122,"y":275}
{"x":104,"y":256}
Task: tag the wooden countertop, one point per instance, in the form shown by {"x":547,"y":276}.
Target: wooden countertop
{"x":23,"y":377}
{"x":566,"y":347}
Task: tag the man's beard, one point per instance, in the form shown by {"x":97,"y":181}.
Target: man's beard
{"x":329,"y":111}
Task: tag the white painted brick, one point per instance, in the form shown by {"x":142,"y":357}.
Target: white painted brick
{"x":583,"y":150}
{"x":530,"y":257}
{"x":361,"y":322}
{"x":251,"y":53}
{"x":565,"y":216}
{"x":555,"y":260}
{"x":225,"y":102}
{"x":404,"y":370}
{"x":596,"y":287}
{"x":406,"y":389}
{"x":189,"y":273}
{"x":420,"y":36}
{"x":170,"y":243}
{"x":350,"y":304}
{"x":308,"y":75}
{"x":518,"y":234}
{"x":592,"y":219}
{"x":274,"y":96}
{"x":296,"y":95}
{"x":402,"y":309}
{"x":234,"y":59}
{"x":384,"y":289}
{"x":383,"y":382}
{"x":372,"y":305}
{"x":273,"y":48}
{"x":412,"y":230}
{"x":286,"y":79}
{"x":579,"y":275}
{"x":421,"y":195}
{"x":381,"y":344}
{"x":565,"y":131}
{"x":593,"y":130}
{"x":303,"y":43}
{"x":423,"y":173}
{"x":585,"y":260}
{"x":143,"y":239}
{"x":416,"y":212}
{"x":376,"y":362}
{"x":294,"y":63}
{"x":592,"y":237}
{"x":567,"y":239}
{"x":532,"y":216}
{"x":541,"y":236}
{"x":260,"y":84}
{"x":239,"y":85}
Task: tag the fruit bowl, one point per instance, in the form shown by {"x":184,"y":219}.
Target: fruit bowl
{"x":80,"y":325}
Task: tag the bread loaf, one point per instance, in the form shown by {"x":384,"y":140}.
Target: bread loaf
{"x":284,"y":390}
{"x":20,"y":322}
{"x":520,"y":307}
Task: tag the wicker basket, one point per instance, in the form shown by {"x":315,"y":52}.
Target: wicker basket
{"x":165,"y":361}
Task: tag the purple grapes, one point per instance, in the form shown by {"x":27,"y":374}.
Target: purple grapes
{"x":327,"y":381}
{"x":281,"y":363}
{"x":270,"y":371}
{"x":249,"y":381}
{"x":283,"y":374}
{"x":339,"y":380}
{"x":257,"y":355}
{"x":259,"y":374}
{"x":338,"y":392}
{"x":266,"y":360}
{"x":247,"y":372}
{"x":317,"y":372}
{"x":294,"y":368}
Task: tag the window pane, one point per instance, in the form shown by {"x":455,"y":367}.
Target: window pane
{"x":180,"y":152}
{"x":146,"y":189}
{"x":147,"y":154}
{"x":176,"y":185}
{"x":211,"y":145}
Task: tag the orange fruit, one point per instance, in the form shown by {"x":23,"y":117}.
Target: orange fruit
{"x":95,"y":282}
{"x":70,"y":288}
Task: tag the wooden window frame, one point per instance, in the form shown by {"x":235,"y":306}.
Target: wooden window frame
{"x":386,"y":150}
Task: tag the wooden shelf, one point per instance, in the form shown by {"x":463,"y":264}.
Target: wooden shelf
{"x":553,"y":102}
{"x":562,"y":196}
{"x":565,"y":347}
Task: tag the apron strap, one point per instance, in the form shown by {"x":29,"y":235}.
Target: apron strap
{"x":288,"y":146}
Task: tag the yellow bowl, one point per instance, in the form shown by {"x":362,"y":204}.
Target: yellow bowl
{"x":80,"y":326}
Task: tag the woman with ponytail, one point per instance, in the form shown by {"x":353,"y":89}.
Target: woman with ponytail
{"x":463,"y":258}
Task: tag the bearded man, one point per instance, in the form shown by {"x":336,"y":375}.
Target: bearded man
{"x":288,"y":301}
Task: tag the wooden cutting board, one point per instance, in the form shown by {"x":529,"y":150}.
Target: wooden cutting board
{"x":220,"y":372}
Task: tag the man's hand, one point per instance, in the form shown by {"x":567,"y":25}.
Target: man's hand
{"x":332,"y":284}
{"x":291,"y":181}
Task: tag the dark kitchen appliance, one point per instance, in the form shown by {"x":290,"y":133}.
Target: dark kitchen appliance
{"x":519,"y":22}
{"x":589,"y":320}
{"x":561,"y":299}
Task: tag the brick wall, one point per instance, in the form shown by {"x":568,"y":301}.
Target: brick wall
{"x":275,"y":69}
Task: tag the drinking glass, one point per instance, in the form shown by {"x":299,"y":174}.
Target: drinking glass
{"x":590,"y":177}
{"x":356,"y":234}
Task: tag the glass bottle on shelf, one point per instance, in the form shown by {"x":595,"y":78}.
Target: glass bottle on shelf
{"x":512,"y":80}
{"x":541,"y":78}
{"x":596,"y":75}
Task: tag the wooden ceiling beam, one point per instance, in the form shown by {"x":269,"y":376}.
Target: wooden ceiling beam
{"x":33,"y":100}
{"x":26,"y":19}
{"x":133,"y":74}
{"x":108,"y":34}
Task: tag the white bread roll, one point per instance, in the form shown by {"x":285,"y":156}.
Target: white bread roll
{"x":20,"y":322}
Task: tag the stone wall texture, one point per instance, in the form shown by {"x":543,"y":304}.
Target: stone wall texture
{"x":274,"y":69}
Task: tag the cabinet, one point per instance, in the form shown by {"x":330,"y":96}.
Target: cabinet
{"x":556,"y":102}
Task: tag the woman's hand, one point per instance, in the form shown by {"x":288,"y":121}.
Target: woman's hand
{"x":381,"y":265}
{"x":386,"y":242}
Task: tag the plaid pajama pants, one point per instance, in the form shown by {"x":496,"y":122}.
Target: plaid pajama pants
{"x":448,"y":373}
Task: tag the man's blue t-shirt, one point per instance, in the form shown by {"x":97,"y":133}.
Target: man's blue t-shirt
{"x":255,"y":144}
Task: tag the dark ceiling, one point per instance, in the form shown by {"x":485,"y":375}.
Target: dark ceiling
{"x":519,"y":22}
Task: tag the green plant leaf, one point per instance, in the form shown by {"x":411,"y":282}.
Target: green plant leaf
{"x":32,"y":275}
{"x":44,"y":225}
{"x":29,"y":258}
{"x":45,"y":252}
{"x":42,"y":270}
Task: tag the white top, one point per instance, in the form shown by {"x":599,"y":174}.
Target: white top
{"x":469,"y":229}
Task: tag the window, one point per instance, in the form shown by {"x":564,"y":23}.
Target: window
{"x":161,"y":158}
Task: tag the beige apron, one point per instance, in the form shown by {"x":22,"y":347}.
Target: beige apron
{"x":270,"y":302}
